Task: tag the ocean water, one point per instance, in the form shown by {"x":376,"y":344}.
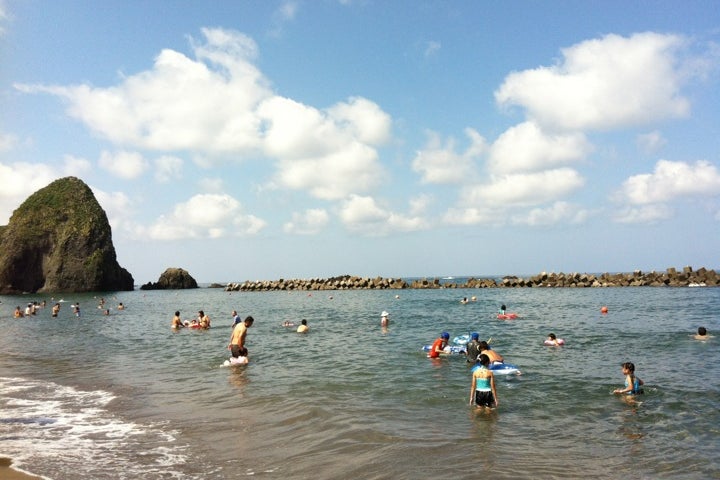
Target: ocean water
{"x":125,"y":397}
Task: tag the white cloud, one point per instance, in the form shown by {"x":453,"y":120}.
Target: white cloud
{"x":335,"y":175}
{"x":526,"y":148}
{"x":647,"y":214}
{"x":219,"y":103}
{"x":119,"y":209}
{"x":650,"y":142}
{"x":474,"y":216}
{"x":123,"y":164}
{"x":557,"y":213}
{"x":168,"y":168}
{"x":285,"y":13}
{"x":8,"y":142}
{"x":363,"y":215}
{"x":309,"y":222}
{"x":603,"y":83}
{"x":205,"y":216}
{"x":75,"y":166}
{"x":523,"y":189}
{"x":180,"y":103}
{"x":4,"y":17}
{"x":441,"y":164}
{"x":18,"y":181}
{"x":420,"y":204}
{"x":671,"y":180}
{"x":211,"y":184}
{"x":432,"y":48}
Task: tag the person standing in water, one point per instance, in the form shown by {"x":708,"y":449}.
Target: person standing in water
{"x":239,"y":334}
{"x":482,"y":387}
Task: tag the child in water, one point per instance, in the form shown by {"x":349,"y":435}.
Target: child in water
{"x":633,"y":384}
{"x":482,"y":386}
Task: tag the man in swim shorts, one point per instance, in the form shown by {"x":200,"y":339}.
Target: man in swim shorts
{"x":239,"y":333}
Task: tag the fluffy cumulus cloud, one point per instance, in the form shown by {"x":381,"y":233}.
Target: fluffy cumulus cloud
{"x":523,"y":189}
{"x":123,"y":164}
{"x":526,"y":148}
{"x":328,"y":153}
{"x":309,"y":222}
{"x":364,"y":215}
{"x":603,"y":83}
{"x":205,"y":216}
{"x":439,"y":163}
{"x":671,"y":180}
{"x":219,"y":104}
{"x":557,"y":213}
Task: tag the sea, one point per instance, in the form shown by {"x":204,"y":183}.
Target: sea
{"x":123,"y":396}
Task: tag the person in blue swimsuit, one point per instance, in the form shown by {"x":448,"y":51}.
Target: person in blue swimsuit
{"x":482,"y":386}
{"x":633,"y":384}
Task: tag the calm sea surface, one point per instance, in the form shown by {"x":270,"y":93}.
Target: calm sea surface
{"x":124,"y":397}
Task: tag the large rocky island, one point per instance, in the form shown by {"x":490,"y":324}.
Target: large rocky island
{"x":59,"y":240}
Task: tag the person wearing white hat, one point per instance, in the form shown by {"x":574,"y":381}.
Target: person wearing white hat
{"x":384,"y":320}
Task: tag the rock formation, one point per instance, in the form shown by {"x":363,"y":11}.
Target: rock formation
{"x":172,"y":278}
{"x":59,"y":240}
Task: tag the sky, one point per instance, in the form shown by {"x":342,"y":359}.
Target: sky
{"x":250,"y":140}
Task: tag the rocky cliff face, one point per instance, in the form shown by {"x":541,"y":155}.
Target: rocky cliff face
{"x":172,"y":278}
{"x":59,"y":240}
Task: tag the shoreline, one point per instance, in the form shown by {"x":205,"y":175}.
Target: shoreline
{"x":8,"y":472}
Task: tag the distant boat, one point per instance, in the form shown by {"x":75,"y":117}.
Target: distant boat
{"x":448,"y":278}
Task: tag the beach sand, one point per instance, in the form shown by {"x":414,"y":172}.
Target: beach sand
{"x":9,"y":473}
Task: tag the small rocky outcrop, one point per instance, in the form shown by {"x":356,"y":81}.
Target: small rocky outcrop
{"x":59,"y":240}
{"x":172,"y":279}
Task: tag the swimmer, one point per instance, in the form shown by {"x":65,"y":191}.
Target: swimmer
{"x":633,"y":384}
{"x":553,"y":341}
{"x":702,"y":334}
{"x":473,"y":348}
{"x":438,"y":346}
{"x":303,"y":328}
{"x":177,"y":322}
{"x":384,"y":319}
{"x":492,"y":354}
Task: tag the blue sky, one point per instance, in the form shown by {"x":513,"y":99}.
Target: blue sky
{"x":298,"y":139}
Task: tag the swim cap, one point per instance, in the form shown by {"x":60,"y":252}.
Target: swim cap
{"x":444,"y":335}
{"x":475,"y":336}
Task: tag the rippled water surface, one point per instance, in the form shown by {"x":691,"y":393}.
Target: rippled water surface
{"x":123,"y":396}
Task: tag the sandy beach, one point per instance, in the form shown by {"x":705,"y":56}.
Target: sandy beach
{"x":9,"y":473}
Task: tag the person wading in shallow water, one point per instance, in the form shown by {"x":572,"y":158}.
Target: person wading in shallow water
{"x":239,"y":334}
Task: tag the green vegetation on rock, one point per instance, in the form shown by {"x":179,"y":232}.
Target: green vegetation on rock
{"x":60,"y":240}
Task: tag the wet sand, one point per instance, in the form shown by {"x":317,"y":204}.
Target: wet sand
{"x":9,"y":473}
